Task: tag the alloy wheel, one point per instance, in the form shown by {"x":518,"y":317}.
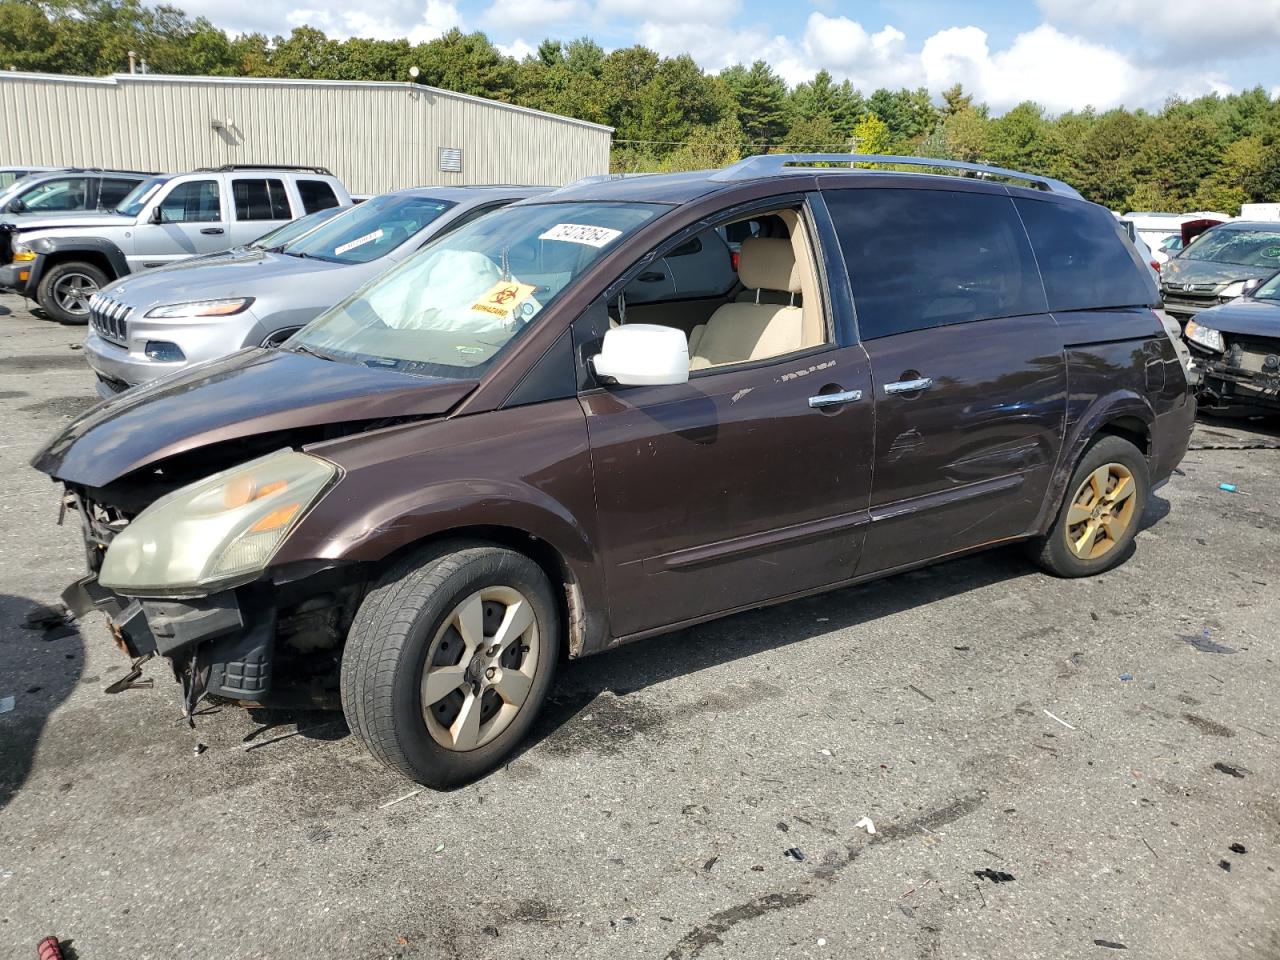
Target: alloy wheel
{"x":1101,"y":511}
{"x":72,"y":293}
{"x":480,"y":667}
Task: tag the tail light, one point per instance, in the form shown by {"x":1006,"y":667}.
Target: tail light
{"x":1155,"y":265}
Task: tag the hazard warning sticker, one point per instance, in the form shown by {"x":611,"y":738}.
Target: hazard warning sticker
{"x":503,"y":298}
{"x":581,"y":233}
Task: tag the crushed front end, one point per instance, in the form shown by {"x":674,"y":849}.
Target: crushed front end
{"x":270,"y":636}
{"x":1245,"y":373}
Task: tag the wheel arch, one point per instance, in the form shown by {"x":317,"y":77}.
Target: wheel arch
{"x":1123,"y":414}
{"x":54,"y":251}
{"x":566,"y":585}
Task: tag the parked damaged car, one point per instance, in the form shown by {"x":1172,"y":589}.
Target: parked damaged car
{"x":1236,"y":348}
{"x":503,"y":452}
{"x":1223,"y":262}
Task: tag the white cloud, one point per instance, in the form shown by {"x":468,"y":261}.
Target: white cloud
{"x":1192,"y":29}
{"x":718,"y":47}
{"x":419,"y":22}
{"x":505,"y":14}
{"x":517,"y":48}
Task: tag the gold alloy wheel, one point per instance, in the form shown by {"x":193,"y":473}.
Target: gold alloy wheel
{"x":1101,"y":511}
{"x":480,"y":666}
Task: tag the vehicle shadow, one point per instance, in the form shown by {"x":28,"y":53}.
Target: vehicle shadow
{"x":632,"y":668}
{"x":39,"y":668}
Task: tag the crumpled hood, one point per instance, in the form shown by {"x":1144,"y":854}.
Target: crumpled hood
{"x":253,"y":274}
{"x":255,"y":391}
{"x":1248,"y":318}
{"x":1181,"y":270}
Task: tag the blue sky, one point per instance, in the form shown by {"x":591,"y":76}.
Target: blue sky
{"x":1065,"y":54}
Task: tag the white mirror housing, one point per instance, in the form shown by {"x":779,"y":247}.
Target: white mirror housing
{"x":643,"y":354}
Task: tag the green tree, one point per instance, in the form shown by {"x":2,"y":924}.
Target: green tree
{"x":760,"y":97}
{"x":871,"y":135}
{"x":823,"y":97}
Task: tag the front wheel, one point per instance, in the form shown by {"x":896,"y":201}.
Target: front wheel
{"x":64,"y":291}
{"x":1097,"y":523}
{"x":449,"y":660}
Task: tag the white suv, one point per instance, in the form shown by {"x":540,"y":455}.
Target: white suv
{"x":61,"y":260}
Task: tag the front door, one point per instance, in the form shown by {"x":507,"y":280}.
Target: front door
{"x":193,"y":221}
{"x":970,"y":379}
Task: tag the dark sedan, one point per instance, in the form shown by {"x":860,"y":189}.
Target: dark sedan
{"x":1237,"y":347}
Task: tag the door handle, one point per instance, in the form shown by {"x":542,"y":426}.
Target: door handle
{"x":834,"y":399}
{"x":212,"y":231}
{"x":909,"y":386}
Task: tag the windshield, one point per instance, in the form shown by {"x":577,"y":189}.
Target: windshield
{"x":371,"y":230}
{"x":295,"y":228}
{"x":136,"y":198}
{"x":1248,"y":248}
{"x":1269,"y":290}
{"x":454,"y":306}
{"x":9,"y":177}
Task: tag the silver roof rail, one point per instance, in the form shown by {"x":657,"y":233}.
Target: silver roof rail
{"x":773,"y":164}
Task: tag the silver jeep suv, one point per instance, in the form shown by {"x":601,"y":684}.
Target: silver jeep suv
{"x":62,"y":260}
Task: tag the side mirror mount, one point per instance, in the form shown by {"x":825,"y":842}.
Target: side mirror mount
{"x":1252,"y":285}
{"x":156,"y":215}
{"x":643,"y":354}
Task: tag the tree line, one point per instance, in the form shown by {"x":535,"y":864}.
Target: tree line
{"x":1213,"y":152}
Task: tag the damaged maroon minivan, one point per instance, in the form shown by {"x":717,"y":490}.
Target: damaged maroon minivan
{"x":618,"y":409}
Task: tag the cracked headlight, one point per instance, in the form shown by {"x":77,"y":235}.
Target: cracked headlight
{"x":217,"y":531}
{"x":1206,"y":337}
{"x":201,"y":308}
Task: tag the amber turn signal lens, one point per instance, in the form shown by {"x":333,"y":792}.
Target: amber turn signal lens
{"x":276,"y":519}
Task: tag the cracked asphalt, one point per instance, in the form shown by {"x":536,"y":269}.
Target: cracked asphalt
{"x":977,"y":712}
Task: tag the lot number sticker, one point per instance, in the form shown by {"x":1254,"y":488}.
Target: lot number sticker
{"x":357,"y":242}
{"x":503,"y":297}
{"x":581,"y":233}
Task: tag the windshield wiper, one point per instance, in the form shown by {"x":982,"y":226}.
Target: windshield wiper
{"x":310,"y":351}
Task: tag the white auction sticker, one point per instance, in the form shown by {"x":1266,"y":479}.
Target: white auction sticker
{"x":358,"y":242}
{"x":581,"y":233}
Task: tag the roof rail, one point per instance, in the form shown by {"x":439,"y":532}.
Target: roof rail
{"x":231,"y":167}
{"x":772,"y":164}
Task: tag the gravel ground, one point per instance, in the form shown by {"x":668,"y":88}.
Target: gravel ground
{"x":978,"y":712}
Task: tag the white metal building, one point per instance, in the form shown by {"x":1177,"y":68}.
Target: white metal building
{"x":374,"y":136}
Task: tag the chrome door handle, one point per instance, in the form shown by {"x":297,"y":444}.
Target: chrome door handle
{"x":835,"y":399}
{"x":909,"y":386}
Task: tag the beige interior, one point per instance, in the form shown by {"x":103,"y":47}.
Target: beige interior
{"x":779,"y":311}
{"x":750,"y":330}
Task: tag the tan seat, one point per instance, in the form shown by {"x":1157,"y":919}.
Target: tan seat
{"x":738,"y":332}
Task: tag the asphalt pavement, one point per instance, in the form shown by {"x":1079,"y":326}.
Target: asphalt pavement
{"x":1083,"y":739}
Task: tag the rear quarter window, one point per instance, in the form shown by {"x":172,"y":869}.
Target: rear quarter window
{"x":1083,"y":260}
{"x":316,"y":195}
{"x":928,"y":258}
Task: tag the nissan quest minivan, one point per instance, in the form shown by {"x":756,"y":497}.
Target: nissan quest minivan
{"x":502,"y":452}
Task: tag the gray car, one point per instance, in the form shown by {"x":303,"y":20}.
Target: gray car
{"x":150,"y":324}
{"x":1223,"y":263}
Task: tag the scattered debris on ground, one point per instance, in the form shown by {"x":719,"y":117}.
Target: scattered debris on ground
{"x":1229,"y":770}
{"x":794,"y":853}
{"x":1205,"y":644}
{"x":1110,"y":945}
{"x":995,"y":876}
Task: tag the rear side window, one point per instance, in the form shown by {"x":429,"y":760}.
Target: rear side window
{"x":1085,"y":263}
{"x":260,"y":200}
{"x":316,"y":195}
{"x":929,"y":258}
{"x":114,"y":190}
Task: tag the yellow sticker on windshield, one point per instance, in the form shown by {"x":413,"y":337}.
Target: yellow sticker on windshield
{"x":503,"y":297}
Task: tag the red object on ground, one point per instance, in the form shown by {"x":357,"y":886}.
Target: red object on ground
{"x":49,"y":949}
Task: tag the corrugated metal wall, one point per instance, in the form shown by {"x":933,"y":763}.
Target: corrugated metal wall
{"x":374,"y":136}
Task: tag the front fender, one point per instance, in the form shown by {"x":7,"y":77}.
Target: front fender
{"x":51,"y":249}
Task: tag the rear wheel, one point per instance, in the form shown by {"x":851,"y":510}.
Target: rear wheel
{"x":1097,"y":523}
{"x":449,"y":659}
{"x":64,"y":291}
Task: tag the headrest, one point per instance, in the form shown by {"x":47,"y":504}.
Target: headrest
{"x":768,"y":263}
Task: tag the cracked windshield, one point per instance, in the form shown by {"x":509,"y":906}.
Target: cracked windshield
{"x":454,"y":306}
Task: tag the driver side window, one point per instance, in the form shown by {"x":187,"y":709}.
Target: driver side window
{"x":741,"y":292}
{"x":196,"y":201}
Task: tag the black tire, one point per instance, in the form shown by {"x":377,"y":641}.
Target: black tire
{"x":1053,"y":551}
{"x":52,"y":292}
{"x":392,"y":634}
